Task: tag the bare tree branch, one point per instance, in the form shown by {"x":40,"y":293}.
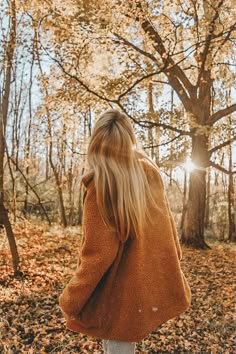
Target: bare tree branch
{"x":150,"y":124}
{"x":220,"y":146}
{"x":136,"y":48}
{"x":95,"y":93}
{"x":82,"y":83}
{"x":136,"y":83}
{"x":175,"y":74}
{"x":222,"y":113}
{"x":209,"y":38}
{"x":168,"y":66}
{"x":228,"y":64}
{"x":226,"y":39}
{"x":176,"y":70}
{"x":222,"y":169}
{"x":32,"y":189}
{"x":166,"y":143}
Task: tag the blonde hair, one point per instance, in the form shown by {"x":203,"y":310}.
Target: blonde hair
{"x":122,"y":188}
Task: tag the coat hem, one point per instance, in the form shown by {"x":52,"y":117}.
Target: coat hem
{"x":94,"y":332}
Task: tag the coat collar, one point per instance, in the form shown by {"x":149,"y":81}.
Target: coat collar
{"x":87,"y":178}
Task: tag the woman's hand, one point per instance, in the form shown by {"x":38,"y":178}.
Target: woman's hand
{"x":68,"y":317}
{"x":65,"y":315}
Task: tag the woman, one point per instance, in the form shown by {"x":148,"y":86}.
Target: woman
{"x":128,"y":278}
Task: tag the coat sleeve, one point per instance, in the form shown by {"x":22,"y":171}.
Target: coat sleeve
{"x":173,"y":225}
{"x":97,"y":254}
{"x":175,"y":233}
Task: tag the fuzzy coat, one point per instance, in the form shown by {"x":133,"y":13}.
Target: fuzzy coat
{"x":124,"y":290}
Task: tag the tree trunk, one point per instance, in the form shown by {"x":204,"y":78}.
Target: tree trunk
{"x":57,"y":178}
{"x":193,"y":225}
{"x":208,"y":191}
{"x":80,"y":204}
{"x":61,"y":203}
{"x":231,"y":209}
{"x":184,"y":201}
{"x":4,"y":105}
{"x":171,"y":137}
{"x":53,"y":166}
{"x":28,"y":136}
{"x":11,"y":239}
{"x":151,"y":112}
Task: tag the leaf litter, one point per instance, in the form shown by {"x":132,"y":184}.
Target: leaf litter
{"x":31,"y":320}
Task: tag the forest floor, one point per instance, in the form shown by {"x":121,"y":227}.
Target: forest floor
{"x":32,"y":322}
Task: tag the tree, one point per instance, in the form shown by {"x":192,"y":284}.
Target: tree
{"x":6,"y":77}
{"x":110,"y":47}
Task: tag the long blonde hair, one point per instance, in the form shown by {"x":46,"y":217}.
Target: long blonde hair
{"x":122,"y":188}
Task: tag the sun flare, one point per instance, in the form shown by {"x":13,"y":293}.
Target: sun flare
{"x":189,"y":165}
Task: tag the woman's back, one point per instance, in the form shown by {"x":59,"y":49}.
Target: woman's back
{"x":135,"y":285}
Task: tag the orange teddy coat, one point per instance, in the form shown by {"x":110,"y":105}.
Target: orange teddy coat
{"x":124,"y":290}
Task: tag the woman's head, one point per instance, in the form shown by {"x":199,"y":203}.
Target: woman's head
{"x":112,"y":138}
{"x":121,"y":184}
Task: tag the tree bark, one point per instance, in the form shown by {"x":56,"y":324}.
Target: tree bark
{"x":193,"y":225}
{"x":171,"y":137}
{"x":53,"y":166}
{"x":184,"y":201}
{"x":208,"y":191}
{"x":231,"y":208}
{"x":28,"y":135}
{"x":4,"y":106}
{"x":151,"y":112}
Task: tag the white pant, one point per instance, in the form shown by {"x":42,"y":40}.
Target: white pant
{"x":118,"y":347}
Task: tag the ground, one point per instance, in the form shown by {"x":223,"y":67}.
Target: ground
{"x":32,"y":322}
